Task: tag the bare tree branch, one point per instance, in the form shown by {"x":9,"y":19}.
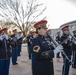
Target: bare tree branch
{"x":19,"y":15}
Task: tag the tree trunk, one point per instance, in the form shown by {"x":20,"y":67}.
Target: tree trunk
{"x":24,"y":33}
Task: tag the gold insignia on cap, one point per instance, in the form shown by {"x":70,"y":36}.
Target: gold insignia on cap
{"x":41,"y":26}
{"x":36,"y":49}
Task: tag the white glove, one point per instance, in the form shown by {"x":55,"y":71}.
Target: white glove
{"x":74,"y":42}
{"x":70,"y":37}
{"x":58,"y":49}
{"x":1,"y":38}
{"x":5,"y":36}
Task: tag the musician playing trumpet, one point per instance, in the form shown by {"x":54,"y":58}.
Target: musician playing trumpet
{"x":67,"y":49}
{"x":14,"y":44}
{"x":42,"y":52}
{"x":74,"y":49}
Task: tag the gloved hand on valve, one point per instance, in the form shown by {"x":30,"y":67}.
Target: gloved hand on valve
{"x":58,"y":49}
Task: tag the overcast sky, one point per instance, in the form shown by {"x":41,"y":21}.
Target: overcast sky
{"x":59,"y":12}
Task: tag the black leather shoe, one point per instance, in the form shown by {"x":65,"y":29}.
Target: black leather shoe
{"x":13,"y":63}
{"x":16,"y":63}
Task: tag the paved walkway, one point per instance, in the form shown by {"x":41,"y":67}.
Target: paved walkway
{"x":24,"y":65}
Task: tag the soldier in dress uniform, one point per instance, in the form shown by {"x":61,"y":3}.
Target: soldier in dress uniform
{"x":19,"y":39}
{"x":58,"y":41}
{"x":5,"y":52}
{"x":29,"y":42}
{"x":74,"y":49}
{"x":14,"y":47}
{"x":42,"y":54}
{"x":67,"y":49}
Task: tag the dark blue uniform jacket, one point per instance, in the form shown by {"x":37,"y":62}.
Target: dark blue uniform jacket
{"x":14,"y":41}
{"x":67,"y":48}
{"x":5,"y":50}
{"x":74,"y":45}
{"x":42,"y":65}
